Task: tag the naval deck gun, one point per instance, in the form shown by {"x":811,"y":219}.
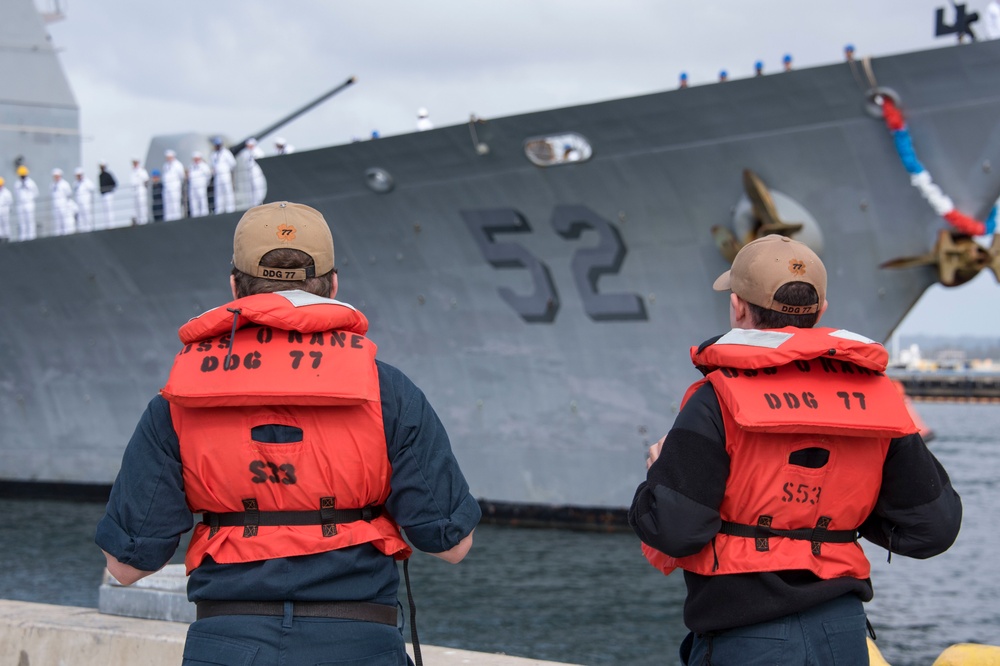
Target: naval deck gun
{"x":238,"y":147}
{"x":187,"y":143}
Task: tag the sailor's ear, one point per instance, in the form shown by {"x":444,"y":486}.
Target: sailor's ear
{"x":739,"y":313}
{"x":333,"y":286}
{"x":232,"y":284}
{"x":821,"y":311}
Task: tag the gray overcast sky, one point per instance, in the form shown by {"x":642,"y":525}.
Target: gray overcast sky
{"x":235,"y":66}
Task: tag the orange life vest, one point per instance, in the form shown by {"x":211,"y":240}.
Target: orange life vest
{"x":291,"y":359}
{"x":817,"y":397}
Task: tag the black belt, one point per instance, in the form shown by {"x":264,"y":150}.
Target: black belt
{"x":340,"y":610}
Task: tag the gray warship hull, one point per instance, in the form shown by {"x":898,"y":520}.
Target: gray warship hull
{"x":547,"y":312}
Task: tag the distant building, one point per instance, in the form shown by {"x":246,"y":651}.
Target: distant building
{"x":951,"y":359}
{"x":908,"y":358}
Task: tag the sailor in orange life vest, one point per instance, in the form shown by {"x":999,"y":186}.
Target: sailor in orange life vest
{"x":279,"y":427}
{"x":792,"y":445}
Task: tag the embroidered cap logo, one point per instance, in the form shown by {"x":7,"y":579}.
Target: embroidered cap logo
{"x":286,"y":232}
{"x":796,"y":267}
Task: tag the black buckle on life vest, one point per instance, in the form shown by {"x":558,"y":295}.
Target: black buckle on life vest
{"x":327,"y":515}
{"x":819,"y":533}
{"x":761,"y":539}
{"x":762,"y":532}
{"x":251,"y":517}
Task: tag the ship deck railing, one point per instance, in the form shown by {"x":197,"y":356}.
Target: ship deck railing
{"x":123,"y":211}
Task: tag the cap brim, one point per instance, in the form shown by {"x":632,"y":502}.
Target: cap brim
{"x":723,"y":283}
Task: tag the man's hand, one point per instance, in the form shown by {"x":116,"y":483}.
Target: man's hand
{"x":654,"y":452}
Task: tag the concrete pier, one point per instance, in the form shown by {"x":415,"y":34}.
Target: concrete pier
{"x":46,"y":635}
{"x":162,"y":596}
{"x":145,"y":623}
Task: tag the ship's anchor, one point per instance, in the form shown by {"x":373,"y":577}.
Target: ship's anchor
{"x":765,"y":219}
{"x":958,"y":258}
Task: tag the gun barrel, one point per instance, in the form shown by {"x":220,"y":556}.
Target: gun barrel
{"x":292,"y":116}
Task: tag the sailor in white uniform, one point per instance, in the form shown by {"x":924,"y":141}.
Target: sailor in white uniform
{"x":25,"y":192}
{"x":253,"y":177}
{"x":423,"y":120}
{"x":6,"y":200}
{"x":83,"y":193}
{"x":198,"y":176}
{"x":993,"y":20}
{"x":223,"y":164}
{"x":63,"y":206}
{"x":139,"y":180}
{"x":173,"y":183}
{"x":282,"y":147}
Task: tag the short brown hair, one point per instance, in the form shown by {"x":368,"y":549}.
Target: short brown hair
{"x":791,"y":293}
{"x":247,"y":285}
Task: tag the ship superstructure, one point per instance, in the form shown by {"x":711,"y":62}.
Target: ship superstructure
{"x":39,"y":117}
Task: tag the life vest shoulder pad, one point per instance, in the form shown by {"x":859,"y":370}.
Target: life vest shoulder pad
{"x":750,"y":348}
{"x":295,"y":310}
{"x":285,"y":354}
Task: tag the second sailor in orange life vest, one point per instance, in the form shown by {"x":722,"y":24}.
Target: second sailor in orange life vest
{"x":793,"y":444}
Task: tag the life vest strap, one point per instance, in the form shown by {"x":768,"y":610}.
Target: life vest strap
{"x":251,"y":517}
{"x":763,"y":531}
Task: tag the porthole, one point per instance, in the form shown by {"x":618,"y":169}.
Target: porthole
{"x":557,"y":149}
{"x":379,"y":180}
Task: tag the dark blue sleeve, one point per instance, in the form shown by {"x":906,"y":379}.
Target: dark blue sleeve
{"x":147,"y":512}
{"x":430,"y":498}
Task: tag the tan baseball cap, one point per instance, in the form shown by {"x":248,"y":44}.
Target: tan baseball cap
{"x":279,"y":225}
{"x":762,"y":266}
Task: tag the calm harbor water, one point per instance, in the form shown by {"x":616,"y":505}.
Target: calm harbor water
{"x":590,"y":598}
